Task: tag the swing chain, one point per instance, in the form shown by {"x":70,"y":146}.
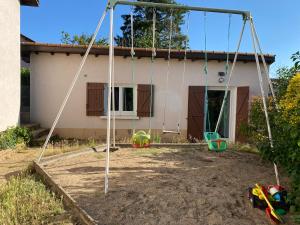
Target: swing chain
{"x":184,"y":69}
{"x":132,"y":33}
{"x":168,"y":68}
{"x":154,"y":34}
{"x":152,"y":68}
{"x":170,"y":35}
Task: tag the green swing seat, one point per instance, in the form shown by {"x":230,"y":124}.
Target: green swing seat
{"x":141,"y":139}
{"x":215,"y":142}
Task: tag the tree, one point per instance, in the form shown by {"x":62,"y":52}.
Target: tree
{"x":142,"y":26}
{"x":296,"y":59}
{"x":83,"y":39}
{"x":285,"y":74}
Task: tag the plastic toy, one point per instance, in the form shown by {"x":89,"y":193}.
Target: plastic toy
{"x":215,"y":142}
{"x":141,"y":139}
{"x":270,"y":211}
{"x":272,"y":199}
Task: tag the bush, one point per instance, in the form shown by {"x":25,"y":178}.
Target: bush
{"x":281,"y":83}
{"x":15,"y":136}
{"x":25,"y":200}
{"x":25,"y":76}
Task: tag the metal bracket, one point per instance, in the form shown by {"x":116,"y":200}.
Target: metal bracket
{"x":111,"y":3}
{"x":247,"y":16}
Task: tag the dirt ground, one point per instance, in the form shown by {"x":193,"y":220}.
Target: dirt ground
{"x":163,"y":186}
{"x":13,"y":162}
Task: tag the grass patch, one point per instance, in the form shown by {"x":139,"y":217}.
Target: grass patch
{"x":61,"y":150}
{"x":100,"y":155}
{"x":25,"y":200}
{"x":244,"y":148}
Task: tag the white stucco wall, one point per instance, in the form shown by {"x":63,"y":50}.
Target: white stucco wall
{"x":51,"y":76}
{"x":9,"y":63}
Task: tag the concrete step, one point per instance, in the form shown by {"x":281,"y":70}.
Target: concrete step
{"x":38,"y":142}
{"x":39,"y":133}
{"x":31,"y":126}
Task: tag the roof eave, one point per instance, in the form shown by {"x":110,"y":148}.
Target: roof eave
{"x":28,"y":48}
{"x":34,"y":3}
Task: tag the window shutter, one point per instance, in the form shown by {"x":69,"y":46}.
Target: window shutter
{"x":195,"y":113}
{"x":95,"y":99}
{"x":242,"y":109}
{"x":144,"y":99}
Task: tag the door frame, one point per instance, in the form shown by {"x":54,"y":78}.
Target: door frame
{"x":232,"y":110}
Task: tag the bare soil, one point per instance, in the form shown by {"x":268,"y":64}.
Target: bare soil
{"x":164,"y":186}
{"x":12,"y":162}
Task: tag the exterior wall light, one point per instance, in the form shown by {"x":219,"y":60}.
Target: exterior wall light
{"x":221,"y":77}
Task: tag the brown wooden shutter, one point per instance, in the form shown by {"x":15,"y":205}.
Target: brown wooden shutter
{"x":95,"y":99}
{"x":195,"y":112}
{"x":242,"y":109}
{"x":143,"y":100}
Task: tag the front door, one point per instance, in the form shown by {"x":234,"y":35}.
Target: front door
{"x":215,"y":100}
{"x":195,"y":113}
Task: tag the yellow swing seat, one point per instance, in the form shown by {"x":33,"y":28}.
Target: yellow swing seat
{"x":141,"y":139}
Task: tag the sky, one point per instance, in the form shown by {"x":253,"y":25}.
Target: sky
{"x":277,"y":23}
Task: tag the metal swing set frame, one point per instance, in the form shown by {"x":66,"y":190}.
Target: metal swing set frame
{"x":111,"y":4}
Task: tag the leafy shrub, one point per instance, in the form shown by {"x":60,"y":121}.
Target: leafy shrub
{"x":92,"y":142}
{"x":25,"y":200}
{"x":156,"y":138}
{"x":15,"y":136}
{"x":25,"y":76}
{"x":284,"y":75}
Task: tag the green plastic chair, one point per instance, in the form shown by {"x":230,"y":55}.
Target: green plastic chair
{"x":141,"y":139}
{"x":215,"y":142}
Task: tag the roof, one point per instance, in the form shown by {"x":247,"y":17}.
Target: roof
{"x":30,"y":2}
{"x":25,"y":38}
{"x":28,"y":47}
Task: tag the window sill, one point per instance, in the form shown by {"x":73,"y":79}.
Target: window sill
{"x":122,"y":117}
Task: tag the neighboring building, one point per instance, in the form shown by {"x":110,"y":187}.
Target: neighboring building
{"x":10,"y":61}
{"x":53,"y":67}
{"x":25,"y":60}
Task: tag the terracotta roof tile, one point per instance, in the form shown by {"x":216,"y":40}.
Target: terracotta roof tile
{"x":28,"y":47}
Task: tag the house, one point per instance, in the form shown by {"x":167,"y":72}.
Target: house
{"x":10,"y":87}
{"x":25,"y":61}
{"x":53,"y":67}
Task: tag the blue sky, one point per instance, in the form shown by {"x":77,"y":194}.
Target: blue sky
{"x":277,"y":23}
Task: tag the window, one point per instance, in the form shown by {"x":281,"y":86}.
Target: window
{"x":125,"y":100}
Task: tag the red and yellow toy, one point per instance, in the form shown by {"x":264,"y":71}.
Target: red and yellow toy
{"x":272,"y":199}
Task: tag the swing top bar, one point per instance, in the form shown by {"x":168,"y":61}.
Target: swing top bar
{"x":246,"y":14}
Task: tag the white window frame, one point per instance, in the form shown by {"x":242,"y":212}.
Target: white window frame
{"x":120,"y":112}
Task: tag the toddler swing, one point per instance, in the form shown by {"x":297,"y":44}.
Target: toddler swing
{"x":213,"y":139}
{"x":142,"y":139}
